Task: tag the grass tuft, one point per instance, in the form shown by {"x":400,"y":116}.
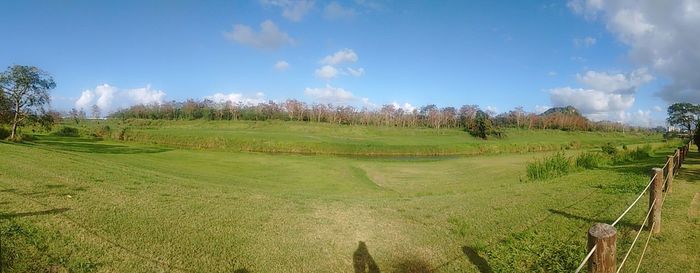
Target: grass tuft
{"x":638,"y":153}
{"x":67,"y":131}
{"x":591,"y":160}
{"x":549,"y":167}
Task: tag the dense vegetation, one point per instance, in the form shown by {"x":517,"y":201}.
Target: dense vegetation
{"x":327,"y":138}
{"x":470,"y":117}
{"x":559,"y":164}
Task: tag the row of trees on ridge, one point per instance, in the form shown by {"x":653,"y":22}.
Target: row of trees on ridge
{"x":24,"y":94}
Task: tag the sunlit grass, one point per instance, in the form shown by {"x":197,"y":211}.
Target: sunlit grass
{"x":109,"y":206}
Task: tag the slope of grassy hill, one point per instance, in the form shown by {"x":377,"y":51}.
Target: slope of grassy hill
{"x":324,"y":138}
{"x":104,"y":206}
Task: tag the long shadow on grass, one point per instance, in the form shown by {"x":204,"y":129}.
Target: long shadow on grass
{"x":592,"y":220}
{"x":94,"y":232}
{"x":4,"y":216}
{"x":476,"y":259}
{"x":482,"y":263}
{"x":84,"y":145}
{"x":690,"y":174}
{"x":642,"y":166}
{"x":362,"y":261}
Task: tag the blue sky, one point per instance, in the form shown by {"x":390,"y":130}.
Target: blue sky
{"x":497,"y":54}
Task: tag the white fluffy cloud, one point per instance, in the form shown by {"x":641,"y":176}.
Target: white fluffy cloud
{"x":607,"y":96}
{"x":331,"y":65}
{"x":146,"y":95}
{"x":330,"y":94}
{"x":293,"y":10}
{"x":85,"y":100}
{"x":539,"y":109}
{"x":269,"y":36}
{"x":281,"y":65}
{"x":591,"y":101}
{"x":407,"y":107}
{"x":335,"y":11}
{"x":662,"y":35}
{"x":492,"y":110}
{"x":326,"y":72}
{"x":639,"y":118}
{"x":237,"y":98}
{"x":109,"y":98}
{"x":615,"y":82}
{"x":343,"y":56}
{"x":635,"y":118}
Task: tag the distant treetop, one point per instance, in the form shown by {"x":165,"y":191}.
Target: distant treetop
{"x":568,"y":110}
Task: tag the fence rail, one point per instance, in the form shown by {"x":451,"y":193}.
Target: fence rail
{"x":602,"y":238}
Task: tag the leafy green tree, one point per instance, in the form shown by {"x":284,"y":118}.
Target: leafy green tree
{"x":96,"y":111}
{"x":4,"y":108}
{"x":27,"y":90}
{"x":696,"y":137}
{"x":683,"y":114}
{"x":483,"y":126}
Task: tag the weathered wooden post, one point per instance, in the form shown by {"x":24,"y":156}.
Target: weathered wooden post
{"x":655,"y":196}
{"x":678,"y":159}
{"x":604,"y":238}
{"x":682,"y":148}
{"x":683,"y":155}
{"x":669,"y":173}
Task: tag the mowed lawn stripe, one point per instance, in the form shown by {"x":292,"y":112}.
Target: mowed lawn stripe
{"x":212,"y":211}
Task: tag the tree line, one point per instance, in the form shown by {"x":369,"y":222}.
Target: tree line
{"x":472,"y":118}
{"x":25,"y":93}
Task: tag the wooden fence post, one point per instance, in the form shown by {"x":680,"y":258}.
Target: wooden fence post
{"x":678,"y":159}
{"x":604,"y":238}
{"x":682,"y":154}
{"x":655,"y":196}
{"x":669,"y":173}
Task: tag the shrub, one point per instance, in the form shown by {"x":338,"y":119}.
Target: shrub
{"x":575,"y":145}
{"x":591,"y":160}
{"x":609,"y":149}
{"x":638,"y":153}
{"x":102,"y":131}
{"x":549,"y":167}
{"x":642,"y":152}
{"x":25,"y":137}
{"x":67,"y":132}
{"x":4,"y":133}
{"x":483,"y":126}
{"x":119,"y":134}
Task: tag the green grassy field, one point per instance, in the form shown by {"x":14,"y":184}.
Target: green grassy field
{"x":105,"y":206}
{"x":333,"y":139}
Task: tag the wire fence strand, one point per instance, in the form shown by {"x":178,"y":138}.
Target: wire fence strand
{"x":590,"y":253}
{"x":635,"y":201}
{"x":668,"y":174}
{"x":635,"y":239}
{"x":641,"y":257}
